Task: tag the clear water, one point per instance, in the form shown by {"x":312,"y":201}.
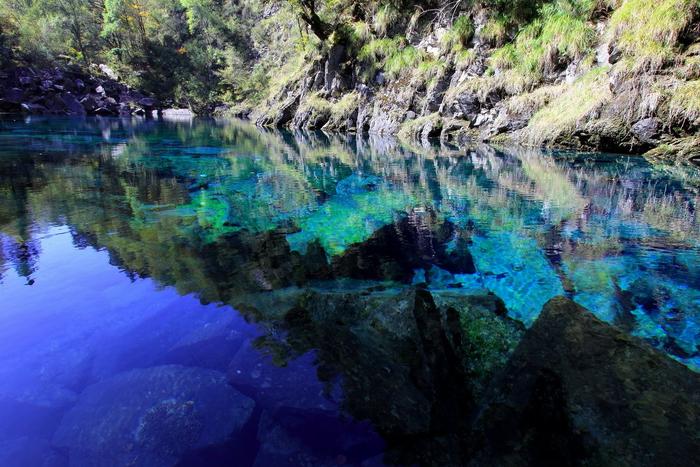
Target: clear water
{"x":126,"y":261}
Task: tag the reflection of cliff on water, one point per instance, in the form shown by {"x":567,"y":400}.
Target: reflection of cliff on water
{"x":381,"y":260}
{"x":221,"y":209}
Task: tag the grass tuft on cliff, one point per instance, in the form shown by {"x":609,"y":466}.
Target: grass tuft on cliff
{"x":684,"y":107}
{"x":561,"y":30}
{"x":413,"y":129}
{"x":393,"y":56}
{"x":649,"y":30}
{"x":457,"y":38}
{"x":578,"y":102}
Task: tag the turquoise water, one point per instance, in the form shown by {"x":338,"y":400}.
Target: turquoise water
{"x":133,"y":245}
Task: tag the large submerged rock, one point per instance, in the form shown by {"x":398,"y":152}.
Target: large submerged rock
{"x":406,"y":361}
{"x":578,"y":391}
{"x":151,"y":417}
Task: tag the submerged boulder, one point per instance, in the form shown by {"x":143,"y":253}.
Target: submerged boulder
{"x":578,"y":391}
{"x":290,"y":437}
{"x":151,"y":417}
{"x":396,"y":250}
{"x":405,"y":359}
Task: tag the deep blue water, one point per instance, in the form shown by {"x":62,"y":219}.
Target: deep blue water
{"x":143,"y":266}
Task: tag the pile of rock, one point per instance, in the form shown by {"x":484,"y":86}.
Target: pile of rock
{"x":69,"y":92}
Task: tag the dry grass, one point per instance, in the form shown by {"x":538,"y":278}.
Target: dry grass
{"x":684,"y":107}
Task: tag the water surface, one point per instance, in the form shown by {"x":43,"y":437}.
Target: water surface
{"x":155,"y":255}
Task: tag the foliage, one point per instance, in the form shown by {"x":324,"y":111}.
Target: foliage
{"x":174,"y":49}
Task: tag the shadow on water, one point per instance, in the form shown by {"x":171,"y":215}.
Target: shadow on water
{"x":201,"y":293}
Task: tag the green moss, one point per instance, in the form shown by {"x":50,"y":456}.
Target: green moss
{"x":681,"y":150}
{"x":488,"y":343}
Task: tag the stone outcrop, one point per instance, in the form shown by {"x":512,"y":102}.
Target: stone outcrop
{"x":467,"y":98}
{"x":447,"y":379}
{"x":406,"y":358}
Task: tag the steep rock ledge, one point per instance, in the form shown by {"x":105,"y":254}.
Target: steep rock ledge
{"x":466,"y":77}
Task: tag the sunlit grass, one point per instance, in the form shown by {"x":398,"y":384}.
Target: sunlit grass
{"x":564,"y":112}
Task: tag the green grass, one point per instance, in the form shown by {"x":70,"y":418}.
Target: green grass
{"x":561,"y":30}
{"x":344,"y":108}
{"x":495,"y":30}
{"x":411,"y":129}
{"x":571,"y":107}
{"x":317,"y":103}
{"x":457,"y":38}
{"x":394,"y":56}
{"x":533,"y":101}
{"x":648,"y":30}
{"x":387,"y":14}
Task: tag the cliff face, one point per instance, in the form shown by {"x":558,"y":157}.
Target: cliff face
{"x":618,"y":76}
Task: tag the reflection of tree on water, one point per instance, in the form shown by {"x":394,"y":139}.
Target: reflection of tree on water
{"x":171,"y":193}
{"x":317,"y":238}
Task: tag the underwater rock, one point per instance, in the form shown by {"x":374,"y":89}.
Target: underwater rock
{"x":295,"y":437}
{"x":578,"y":391}
{"x":293,"y":385}
{"x":151,"y":417}
{"x":30,"y":452}
{"x":19,"y":418}
{"x":203,"y":336}
{"x":404,"y":360}
{"x":396,"y":250}
{"x":487,"y":336}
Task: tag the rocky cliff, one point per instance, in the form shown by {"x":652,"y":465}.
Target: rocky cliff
{"x":619,"y":76}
